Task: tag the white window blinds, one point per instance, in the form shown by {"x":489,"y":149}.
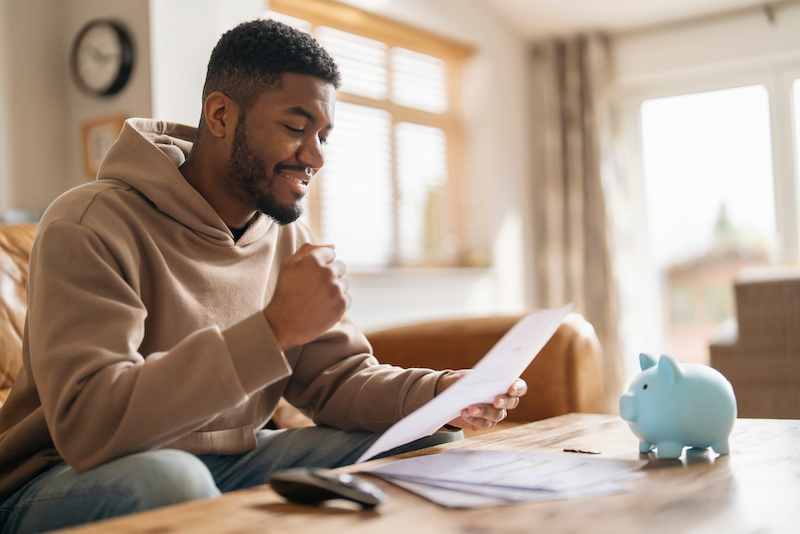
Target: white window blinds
{"x":361,"y":61}
{"x":419,"y":81}
{"x":356,"y":204}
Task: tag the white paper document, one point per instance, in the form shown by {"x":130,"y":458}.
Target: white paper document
{"x":491,"y":376}
{"x":464,"y":478}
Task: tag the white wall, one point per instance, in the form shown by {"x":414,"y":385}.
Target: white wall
{"x":708,"y":48}
{"x":42,"y":108}
{"x":134,"y":100}
{"x":402,"y":296}
{"x":183,"y":33}
{"x":33,"y":106}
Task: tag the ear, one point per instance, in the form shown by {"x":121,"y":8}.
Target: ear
{"x":669,"y":368}
{"x":646,"y":361}
{"x":220,"y":114}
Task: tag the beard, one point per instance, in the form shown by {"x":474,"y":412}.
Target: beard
{"x":247,"y":173}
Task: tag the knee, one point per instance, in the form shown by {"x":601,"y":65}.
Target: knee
{"x":438,"y":438}
{"x":165,"y":477}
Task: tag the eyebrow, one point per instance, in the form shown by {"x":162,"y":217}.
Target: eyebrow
{"x":302,"y":112}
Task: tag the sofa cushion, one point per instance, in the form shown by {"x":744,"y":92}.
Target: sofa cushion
{"x":15,"y":248}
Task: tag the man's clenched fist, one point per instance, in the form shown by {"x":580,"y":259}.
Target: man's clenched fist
{"x":310,"y":297}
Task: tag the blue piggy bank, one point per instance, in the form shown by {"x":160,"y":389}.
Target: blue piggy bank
{"x":670,"y":406}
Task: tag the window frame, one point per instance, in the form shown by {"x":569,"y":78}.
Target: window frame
{"x":451,"y":121}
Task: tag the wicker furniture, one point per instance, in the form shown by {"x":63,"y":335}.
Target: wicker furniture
{"x":759,"y":351}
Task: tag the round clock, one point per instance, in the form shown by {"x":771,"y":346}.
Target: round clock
{"x":102,"y":58}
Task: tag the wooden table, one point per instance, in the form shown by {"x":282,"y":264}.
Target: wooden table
{"x":754,"y":489}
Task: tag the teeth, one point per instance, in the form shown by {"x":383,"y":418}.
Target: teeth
{"x":295,"y":180}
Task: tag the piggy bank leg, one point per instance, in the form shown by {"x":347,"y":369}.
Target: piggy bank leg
{"x":645,"y":447}
{"x":721,"y":447}
{"x":669,"y":449}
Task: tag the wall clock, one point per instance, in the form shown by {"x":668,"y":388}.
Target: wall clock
{"x":102,"y":57}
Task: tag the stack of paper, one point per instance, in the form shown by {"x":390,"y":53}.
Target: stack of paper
{"x":465,"y":478}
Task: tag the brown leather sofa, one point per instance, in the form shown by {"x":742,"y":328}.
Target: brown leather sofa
{"x":15,"y":250}
{"x":564,"y":377}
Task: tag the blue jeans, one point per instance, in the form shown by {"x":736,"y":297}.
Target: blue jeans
{"x":60,"y":497}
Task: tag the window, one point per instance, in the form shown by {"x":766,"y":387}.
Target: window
{"x":388,"y":194}
{"x":707,"y":162}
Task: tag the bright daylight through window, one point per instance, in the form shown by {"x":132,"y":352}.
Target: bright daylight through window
{"x":710,"y":203}
{"x":388,"y":195}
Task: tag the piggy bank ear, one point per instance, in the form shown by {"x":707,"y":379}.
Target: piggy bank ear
{"x":646,"y":361}
{"x":669,"y":368}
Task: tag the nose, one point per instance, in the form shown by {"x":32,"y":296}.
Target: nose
{"x":311,"y":154}
{"x":627,"y":407}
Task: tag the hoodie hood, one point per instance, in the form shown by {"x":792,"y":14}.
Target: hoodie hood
{"x":147,"y":157}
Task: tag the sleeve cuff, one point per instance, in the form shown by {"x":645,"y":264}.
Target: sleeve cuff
{"x":255,"y":353}
{"x":423,"y":390}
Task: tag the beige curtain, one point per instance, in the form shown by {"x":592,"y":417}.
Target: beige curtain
{"x":572,"y":161}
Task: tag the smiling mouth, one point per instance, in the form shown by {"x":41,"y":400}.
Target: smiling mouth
{"x":299,"y":175}
{"x":293,"y":176}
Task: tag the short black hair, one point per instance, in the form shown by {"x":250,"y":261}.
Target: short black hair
{"x":251,"y":58}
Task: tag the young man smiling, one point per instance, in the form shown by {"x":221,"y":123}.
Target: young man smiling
{"x":174,"y":301}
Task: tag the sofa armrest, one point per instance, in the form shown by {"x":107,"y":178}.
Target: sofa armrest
{"x":16,"y":241}
{"x":564,"y":377}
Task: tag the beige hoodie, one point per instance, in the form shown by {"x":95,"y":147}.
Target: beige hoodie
{"x":145,"y":329}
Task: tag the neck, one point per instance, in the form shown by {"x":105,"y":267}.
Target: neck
{"x":206,"y":175}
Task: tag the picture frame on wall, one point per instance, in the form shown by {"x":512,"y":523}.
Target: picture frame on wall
{"x":98,"y":136}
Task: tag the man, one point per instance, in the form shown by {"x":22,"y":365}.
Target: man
{"x":174,"y":301}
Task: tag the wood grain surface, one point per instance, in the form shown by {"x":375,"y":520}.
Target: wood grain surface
{"x":754,"y":489}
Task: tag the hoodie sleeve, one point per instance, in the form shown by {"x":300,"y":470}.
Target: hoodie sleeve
{"x":338,"y":382}
{"x":97,"y":391}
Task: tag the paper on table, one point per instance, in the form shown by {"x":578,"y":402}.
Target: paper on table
{"x":464,"y":478}
{"x":509,"y":470}
{"x":491,"y":376}
{"x":450,"y":498}
{"x":453,"y":495}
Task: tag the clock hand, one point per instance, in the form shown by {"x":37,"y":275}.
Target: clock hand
{"x":101,"y":55}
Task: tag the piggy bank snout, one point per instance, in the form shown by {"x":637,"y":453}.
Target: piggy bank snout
{"x":628,"y":407}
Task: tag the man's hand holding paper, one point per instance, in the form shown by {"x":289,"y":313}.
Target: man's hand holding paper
{"x":483,"y":416}
{"x":490,"y":386}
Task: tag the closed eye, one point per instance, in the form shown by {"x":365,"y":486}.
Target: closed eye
{"x":294,"y":130}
